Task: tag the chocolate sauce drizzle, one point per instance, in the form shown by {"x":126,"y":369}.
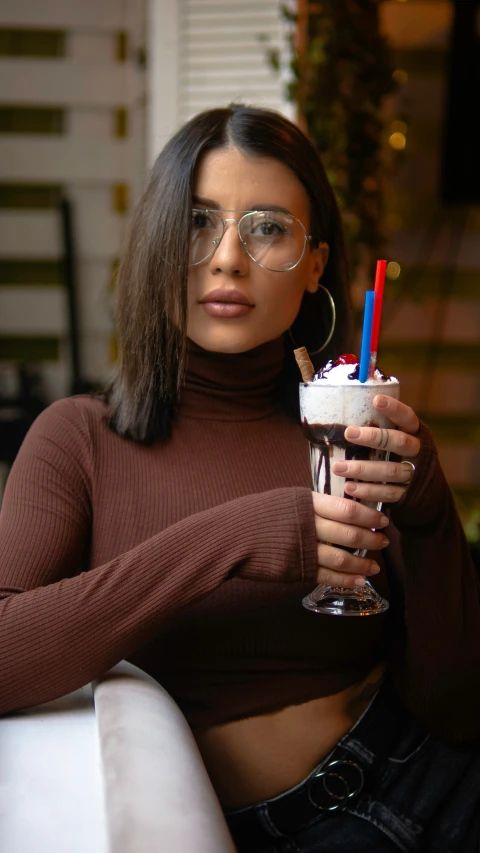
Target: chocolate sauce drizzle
{"x":321,"y":438}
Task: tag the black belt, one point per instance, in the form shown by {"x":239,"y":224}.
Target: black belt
{"x":336,"y":784}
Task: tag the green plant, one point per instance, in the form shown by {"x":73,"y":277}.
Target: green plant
{"x":341,"y":74}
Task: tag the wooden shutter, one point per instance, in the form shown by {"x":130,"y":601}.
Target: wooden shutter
{"x":225,"y":54}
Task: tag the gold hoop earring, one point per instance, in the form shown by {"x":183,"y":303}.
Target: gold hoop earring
{"x":332,"y":328}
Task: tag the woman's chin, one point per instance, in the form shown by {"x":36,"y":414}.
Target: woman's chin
{"x":230,"y":346}
{"x":230,"y":343}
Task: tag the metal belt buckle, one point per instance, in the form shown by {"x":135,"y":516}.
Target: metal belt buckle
{"x":337,"y":783}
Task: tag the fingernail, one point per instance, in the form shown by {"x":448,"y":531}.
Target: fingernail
{"x":352,"y":432}
{"x":340,"y":467}
{"x":384,"y":521}
{"x":374,"y":569}
{"x":351,"y":487}
{"x":384,"y":542}
{"x":380,"y":402}
{"x":359,"y":582}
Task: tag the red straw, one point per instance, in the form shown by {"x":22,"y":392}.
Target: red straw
{"x":377,"y":313}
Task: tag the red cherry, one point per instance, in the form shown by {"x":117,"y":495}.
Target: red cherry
{"x":348,"y":358}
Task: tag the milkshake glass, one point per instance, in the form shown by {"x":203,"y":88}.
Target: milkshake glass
{"x":328,"y":404}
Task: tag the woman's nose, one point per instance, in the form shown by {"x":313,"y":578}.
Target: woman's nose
{"x":230,"y":256}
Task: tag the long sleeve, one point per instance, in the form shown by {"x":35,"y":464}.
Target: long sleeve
{"x":59,"y":628}
{"x":437,"y":663}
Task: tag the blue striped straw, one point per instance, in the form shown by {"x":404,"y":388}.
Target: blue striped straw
{"x":366,"y":335}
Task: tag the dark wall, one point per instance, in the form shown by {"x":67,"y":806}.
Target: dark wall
{"x":460,"y":178}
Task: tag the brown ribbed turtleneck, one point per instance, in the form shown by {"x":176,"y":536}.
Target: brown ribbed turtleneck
{"x":197,"y":553}
{"x":238,"y":387}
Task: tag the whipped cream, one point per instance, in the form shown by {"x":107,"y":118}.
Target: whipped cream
{"x":345,"y":371}
{"x":336,"y":395}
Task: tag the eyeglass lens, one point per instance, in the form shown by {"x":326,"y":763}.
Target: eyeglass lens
{"x":273,"y":239}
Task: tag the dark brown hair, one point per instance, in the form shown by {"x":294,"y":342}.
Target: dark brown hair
{"x":151,"y":310}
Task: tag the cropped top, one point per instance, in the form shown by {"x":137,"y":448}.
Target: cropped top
{"x":190,"y":557}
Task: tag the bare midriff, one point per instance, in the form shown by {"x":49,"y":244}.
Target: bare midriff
{"x":259,"y":757}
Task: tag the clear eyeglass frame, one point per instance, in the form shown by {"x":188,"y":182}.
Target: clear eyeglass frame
{"x":216,"y":242}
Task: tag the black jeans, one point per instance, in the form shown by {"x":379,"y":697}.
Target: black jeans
{"x":387,"y":786}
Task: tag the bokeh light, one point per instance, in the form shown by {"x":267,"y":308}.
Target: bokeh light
{"x":400,"y":76}
{"x":398,"y":141}
{"x":393,"y":270}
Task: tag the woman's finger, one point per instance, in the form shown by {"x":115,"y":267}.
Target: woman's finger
{"x":384,"y":493}
{"x":374,"y":472}
{"x":347,"y":511}
{"x":401,"y":415}
{"x":349,"y":536}
{"x":393,"y":440}
{"x":339,"y":568}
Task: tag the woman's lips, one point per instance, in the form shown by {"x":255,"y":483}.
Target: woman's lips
{"x":226,"y":309}
{"x":226,"y":303}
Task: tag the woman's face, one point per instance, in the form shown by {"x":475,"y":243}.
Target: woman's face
{"x":268,"y":302}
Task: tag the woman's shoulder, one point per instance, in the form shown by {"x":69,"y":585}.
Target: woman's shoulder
{"x":79,"y":407}
{"x":82,"y":415}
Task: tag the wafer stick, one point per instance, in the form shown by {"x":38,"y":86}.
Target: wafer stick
{"x":304,"y":364}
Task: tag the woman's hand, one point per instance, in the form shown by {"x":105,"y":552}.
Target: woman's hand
{"x":339,"y":521}
{"x":383,"y":481}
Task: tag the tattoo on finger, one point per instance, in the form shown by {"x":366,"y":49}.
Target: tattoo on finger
{"x":382,"y":439}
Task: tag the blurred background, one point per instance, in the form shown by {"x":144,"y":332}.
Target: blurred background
{"x":388,"y":90}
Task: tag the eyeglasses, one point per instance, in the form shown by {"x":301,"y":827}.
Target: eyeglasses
{"x":274,"y":240}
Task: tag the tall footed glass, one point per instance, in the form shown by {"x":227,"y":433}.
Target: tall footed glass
{"x":326,"y":410}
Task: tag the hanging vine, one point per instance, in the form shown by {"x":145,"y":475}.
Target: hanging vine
{"x":342,"y":70}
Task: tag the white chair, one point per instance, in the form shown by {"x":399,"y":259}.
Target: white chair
{"x":111,"y":768}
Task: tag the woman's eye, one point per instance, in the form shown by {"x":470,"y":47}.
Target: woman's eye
{"x":268,"y":228}
{"x":271,"y":228}
{"x":199,"y":220}
{"x":202,"y":220}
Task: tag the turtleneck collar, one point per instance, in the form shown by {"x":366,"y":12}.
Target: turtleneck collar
{"x":233,"y":387}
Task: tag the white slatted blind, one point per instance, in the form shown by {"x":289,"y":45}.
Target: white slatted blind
{"x":223,"y":55}
{"x":91,"y":160}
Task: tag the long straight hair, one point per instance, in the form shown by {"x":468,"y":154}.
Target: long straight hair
{"x":151,"y":306}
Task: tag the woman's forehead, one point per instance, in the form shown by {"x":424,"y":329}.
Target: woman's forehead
{"x":231,"y":179}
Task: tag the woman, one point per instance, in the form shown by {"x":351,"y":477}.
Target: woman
{"x":185,"y":495}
